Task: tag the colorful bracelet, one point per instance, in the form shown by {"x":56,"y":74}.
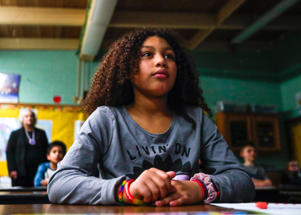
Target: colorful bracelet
{"x":213,"y":193}
{"x":203,"y":187}
{"x":132,"y":199}
{"x":120,"y":193}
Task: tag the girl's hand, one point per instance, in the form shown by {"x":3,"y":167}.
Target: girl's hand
{"x":185,"y":192}
{"x":152,"y":184}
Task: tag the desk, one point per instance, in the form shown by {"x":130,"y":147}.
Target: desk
{"x":279,"y":209}
{"x":268,"y":194}
{"x":280,"y":194}
{"x":292,"y":192}
{"x":22,"y":197}
{"x":84,"y":209}
{"x":23,"y":189}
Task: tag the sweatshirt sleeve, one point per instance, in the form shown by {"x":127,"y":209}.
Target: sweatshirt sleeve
{"x":75,"y":181}
{"x":233,"y":183}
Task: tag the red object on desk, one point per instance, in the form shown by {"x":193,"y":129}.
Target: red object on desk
{"x":262,"y":205}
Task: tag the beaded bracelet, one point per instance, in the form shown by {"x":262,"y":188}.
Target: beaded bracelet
{"x":120,"y":193}
{"x":132,"y":199}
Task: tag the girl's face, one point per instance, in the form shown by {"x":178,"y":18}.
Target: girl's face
{"x":157,"y":68}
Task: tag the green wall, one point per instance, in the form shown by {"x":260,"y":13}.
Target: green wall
{"x":253,"y":65}
{"x":44,"y":74}
{"x":240,"y":91}
{"x":289,"y":56}
{"x":289,"y":89}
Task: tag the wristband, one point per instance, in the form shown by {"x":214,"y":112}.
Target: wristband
{"x":213,"y":193}
{"x":120,"y":193}
{"x":203,"y":187}
{"x":132,"y":199}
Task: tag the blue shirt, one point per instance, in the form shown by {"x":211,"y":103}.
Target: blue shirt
{"x":39,"y":177}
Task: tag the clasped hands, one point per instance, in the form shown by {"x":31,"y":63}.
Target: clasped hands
{"x":158,"y":187}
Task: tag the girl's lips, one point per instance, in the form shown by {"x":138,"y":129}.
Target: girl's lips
{"x":161,"y":74}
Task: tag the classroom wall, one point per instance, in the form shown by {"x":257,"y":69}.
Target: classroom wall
{"x":243,"y":78}
{"x":289,"y":58}
{"x":44,"y":74}
{"x":275,"y":71}
{"x":240,"y":91}
{"x":289,"y":89}
{"x":287,"y":54}
{"x":91,"y":68}
{"x":247,"y":92}
{"x":236,"y":64}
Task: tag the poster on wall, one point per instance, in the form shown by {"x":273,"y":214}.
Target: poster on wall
{"x":7,"y":125}
{"x":46,"y":125}
{"x":9,"y":87}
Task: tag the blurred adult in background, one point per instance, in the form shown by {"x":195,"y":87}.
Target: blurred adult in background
{"x":256,"y":172}
{"x":26,"y":149}
{"x":292,"y":175}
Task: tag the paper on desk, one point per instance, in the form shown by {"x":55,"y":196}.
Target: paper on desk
{"x":273,"y":208}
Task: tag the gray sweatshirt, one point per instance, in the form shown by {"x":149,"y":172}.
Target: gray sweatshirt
{"x":112,"y":144}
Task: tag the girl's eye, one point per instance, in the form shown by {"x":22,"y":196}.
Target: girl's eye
{"x":169,"y":56}
{"x":146,"y":54}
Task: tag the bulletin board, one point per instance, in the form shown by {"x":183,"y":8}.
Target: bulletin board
{"x":60,"y":123}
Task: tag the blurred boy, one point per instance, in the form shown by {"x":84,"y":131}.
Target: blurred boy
{"x":292,"y":175}
{"x":55,"y":153}
{"x":257,"y":173}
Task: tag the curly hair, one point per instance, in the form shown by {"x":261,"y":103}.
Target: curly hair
{"x":112,"y":85}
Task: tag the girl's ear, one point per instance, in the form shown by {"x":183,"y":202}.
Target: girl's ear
{"x":48,"y":157}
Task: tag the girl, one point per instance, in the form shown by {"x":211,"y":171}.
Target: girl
{"x":147,"y":134}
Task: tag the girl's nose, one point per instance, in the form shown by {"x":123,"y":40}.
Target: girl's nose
{"x":160,"y":60}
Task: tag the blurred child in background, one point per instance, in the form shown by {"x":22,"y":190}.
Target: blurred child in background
{"x":292,"y":175}
{"x":257,"y":173}
{"x":55,"y":153}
